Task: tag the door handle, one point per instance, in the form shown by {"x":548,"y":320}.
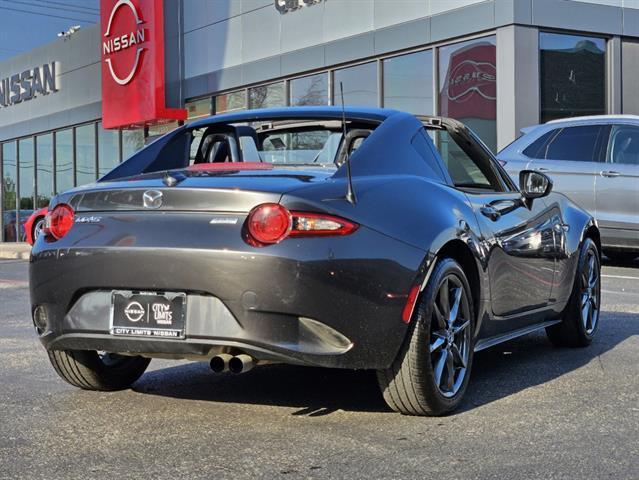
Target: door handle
{"x":610,"y":174}
{"x":543,"y":169}
{"x":490,"y":212}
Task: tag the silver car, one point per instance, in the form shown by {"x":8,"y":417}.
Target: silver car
{"x":595,"y":162}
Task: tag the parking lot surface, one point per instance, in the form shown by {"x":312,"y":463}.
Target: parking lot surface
{"x":531,"y":411}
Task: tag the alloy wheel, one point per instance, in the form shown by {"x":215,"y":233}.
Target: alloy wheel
{"x":450,"y":336}
{"x":590,"y":293}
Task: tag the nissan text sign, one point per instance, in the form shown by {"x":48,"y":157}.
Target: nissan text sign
{"x":33,"y":82}
{"x":133,"y":86}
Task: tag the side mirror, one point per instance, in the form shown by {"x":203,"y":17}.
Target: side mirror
{"x":534,"y":184}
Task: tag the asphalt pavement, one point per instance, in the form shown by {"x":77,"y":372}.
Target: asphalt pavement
{"x":531,"y":411}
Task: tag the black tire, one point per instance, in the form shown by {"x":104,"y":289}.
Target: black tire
{"x":575,"y":330}
{"x":410,"y":384}
{"x":91,"y":371}
{"x":621,"y":257}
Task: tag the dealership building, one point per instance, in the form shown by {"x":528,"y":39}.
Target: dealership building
{"x":73,"y":109}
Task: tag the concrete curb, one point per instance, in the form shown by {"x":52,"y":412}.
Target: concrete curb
{"x":15,"y":251}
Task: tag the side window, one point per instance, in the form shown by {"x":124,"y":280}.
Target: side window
{"x":537,"y":149}
{"x":578,"y":144}
{"x":624,"y":145}
{"x":464,"y":170}
{"x":420,"y":143}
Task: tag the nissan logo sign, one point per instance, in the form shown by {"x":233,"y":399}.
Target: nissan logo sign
{"x":114,"y":45}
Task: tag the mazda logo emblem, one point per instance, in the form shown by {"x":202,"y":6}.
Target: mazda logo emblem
{"x":152,"y":199}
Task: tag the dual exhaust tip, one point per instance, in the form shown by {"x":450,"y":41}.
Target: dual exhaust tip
{"x":232,"y":363}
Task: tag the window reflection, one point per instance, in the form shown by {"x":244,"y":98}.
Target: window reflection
{"x":64,"y":160}
{"x":572,"y":75}
{"x":267,"y":96}
{"x":360,"y":85}
{"x":26,"y":173}
{"x":198,"y":108}
{"x":408,"y":83}
{"x":468,"y":86}
{"x":311,"y":90}
{"x":9,"y":190}
{"x":230,"y":102}
{"x":44,"y":174}
{"x":132,"y":141}
{"x":85,"y":154}
{"x":161,"y":129}
{"x":108,"y":149}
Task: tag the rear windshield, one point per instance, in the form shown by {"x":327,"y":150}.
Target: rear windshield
{"x":308,"y":143}
{"x":280,"y":143}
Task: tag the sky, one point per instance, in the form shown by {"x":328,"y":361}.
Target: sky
{"x":37,"y":22}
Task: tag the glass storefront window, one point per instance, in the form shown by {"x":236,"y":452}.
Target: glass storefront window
{"x":108,"y":150}
{"x":161,"y":129}
{"x":26,"y":174}
{"x":468,"y":86}
{"x":572,"y":73}
{"x":198,"y":108}
{"x":44,"y":169}
{"x":408,"y":83}
{"x":267,"y":96}
{"x":132,"y":141}
{"x":9,"y":191}
{"x":230,"y":102}
{"x":85,"y":154}
{"x":311,"y":90}
{"x":64,"y":160}
{"x":360,"y":85}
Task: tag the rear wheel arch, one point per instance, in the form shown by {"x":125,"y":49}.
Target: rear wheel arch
{"x":592,"y":232}
{"x":462,"y":254}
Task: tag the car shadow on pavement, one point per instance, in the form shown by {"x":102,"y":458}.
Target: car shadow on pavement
{"x":497,"y":373}
{"x":607,"y":262}
{"x":532,"y":360}
{"x":312,"y":391}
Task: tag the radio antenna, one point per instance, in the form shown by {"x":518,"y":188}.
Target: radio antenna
{"x":350,"y":193}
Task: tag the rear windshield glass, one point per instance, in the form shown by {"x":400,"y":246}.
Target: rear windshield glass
{"x":301,"y":143}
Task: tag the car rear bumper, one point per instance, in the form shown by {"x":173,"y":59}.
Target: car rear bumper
{"x":340,"y":308}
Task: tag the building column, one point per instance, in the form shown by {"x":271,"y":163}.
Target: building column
{"x":614,"y":73}
{"x":517,"y":81}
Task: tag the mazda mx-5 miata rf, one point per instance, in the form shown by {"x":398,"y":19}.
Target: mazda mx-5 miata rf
{"x":359,"y":239}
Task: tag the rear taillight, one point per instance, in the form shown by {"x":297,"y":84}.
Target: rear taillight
{"x":271,"y":223}
{"x":306,"y":224}
{"x":59,"y":221}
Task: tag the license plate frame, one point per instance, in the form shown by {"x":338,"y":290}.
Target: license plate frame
{"x":160,"y":315}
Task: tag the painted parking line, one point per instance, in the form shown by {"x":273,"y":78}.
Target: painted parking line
{"x":622,"y":277}
{"x":5,"y":284}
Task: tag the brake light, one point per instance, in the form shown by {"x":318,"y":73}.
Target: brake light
{"x":271,"y":223}
{"x":59,"y":221}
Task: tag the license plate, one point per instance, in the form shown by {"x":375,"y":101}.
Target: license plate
{"x":148,"y":314}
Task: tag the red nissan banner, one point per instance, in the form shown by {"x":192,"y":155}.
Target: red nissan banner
{"x":133,"y":85}
{"x":470,"y":88}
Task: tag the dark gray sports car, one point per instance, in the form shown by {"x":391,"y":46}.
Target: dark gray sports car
{"x":363,"y":239}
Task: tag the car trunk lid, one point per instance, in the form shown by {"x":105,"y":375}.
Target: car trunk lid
{"x":203,"y":188}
